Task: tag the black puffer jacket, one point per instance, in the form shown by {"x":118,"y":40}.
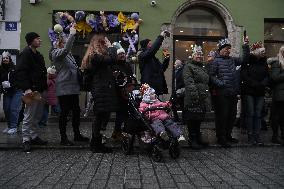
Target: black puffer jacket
{"x":277,"y":76}
{"x":103,"y":85}
{"x":31,"y":71}
{"x":151,"y":69}
{"x":223,"y":74}
{"x":254,"y":76}
{"x":5,"y":71}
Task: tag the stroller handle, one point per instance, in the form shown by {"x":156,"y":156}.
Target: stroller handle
{"x":157,"y":108}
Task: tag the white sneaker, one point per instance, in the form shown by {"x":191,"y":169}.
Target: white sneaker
{"x":5,"y":130}
{"x":12,"y":131}
{"x":164,"y":136}
{"x":181,"y":138}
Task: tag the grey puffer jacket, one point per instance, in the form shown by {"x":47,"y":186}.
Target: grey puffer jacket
{"x":66,"y":82}
{"x":223,"y":74}
{"x":277,"y":76}
{"x":196,"y":81}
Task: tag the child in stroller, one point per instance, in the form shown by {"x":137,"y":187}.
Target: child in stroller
{"x":155,"y":111}
{"x":150,"y":122}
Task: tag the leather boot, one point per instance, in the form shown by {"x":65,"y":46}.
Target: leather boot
{"x":193,"y":142}
{"x":97,"y":146}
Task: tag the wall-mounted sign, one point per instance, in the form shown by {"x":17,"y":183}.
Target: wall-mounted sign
{"x":11,"y":26}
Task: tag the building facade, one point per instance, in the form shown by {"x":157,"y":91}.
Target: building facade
{"x":190,"y":22}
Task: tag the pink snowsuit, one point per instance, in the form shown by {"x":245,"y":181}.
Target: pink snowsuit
{"x":160,"y":118}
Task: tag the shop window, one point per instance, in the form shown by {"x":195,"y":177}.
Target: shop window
{"x":198,"y":25}
{"x":273,"y":36}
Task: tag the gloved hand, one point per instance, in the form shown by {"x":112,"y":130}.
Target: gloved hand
{"x":28,"y":91}
{"x":72,"y":30}
{"x":246,"y":41}
{"x":163,"y":33}
{"x":6,"y":84}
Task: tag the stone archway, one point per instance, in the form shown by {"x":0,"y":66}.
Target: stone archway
{"x":234,"y":31}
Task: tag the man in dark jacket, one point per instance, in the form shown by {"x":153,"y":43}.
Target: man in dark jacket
{"x":254,"y":77}
{"x":225,"y":80}
{"x":151,"y":69}
{"x":32,"y":73}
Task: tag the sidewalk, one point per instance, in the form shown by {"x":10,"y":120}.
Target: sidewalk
{"x":51,"y":133}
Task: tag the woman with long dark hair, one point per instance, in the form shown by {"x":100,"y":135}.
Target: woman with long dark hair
{"x":99,"y":59}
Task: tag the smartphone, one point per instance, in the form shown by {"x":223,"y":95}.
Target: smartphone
{"x":245,"y":34}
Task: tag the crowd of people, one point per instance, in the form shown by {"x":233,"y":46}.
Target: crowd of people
{"x":229,"y":81}
{"x":29,"y":88}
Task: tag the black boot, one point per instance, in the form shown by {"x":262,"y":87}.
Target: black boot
{"x":201,"y":141}
{"x":199,"y":138}
{"x":193,"y":142}
{"x":96,"y":146}
{"x":80,"y":138}
{"x":66,"y":142}
{"x":275,"y":140}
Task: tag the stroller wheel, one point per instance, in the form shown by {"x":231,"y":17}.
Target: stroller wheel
{"x":126,"y":144}
{"x":174,"y":150}
{"x":156,"y":154}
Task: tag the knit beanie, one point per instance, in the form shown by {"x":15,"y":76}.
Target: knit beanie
{"x":144,"y":43}
{"x":30,"y":37}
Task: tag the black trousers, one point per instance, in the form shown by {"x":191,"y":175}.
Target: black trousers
{"x":100,"y":119}
{"x":225,"y":115}
{"x":69,"y":103}
{"x":277,"y":118}
{"x":193,"y":128}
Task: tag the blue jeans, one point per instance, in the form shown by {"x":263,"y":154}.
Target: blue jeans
{"x":12,"y":104}
{"x":254,"y":105}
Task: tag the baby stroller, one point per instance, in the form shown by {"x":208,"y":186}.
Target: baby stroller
{"x":138,"y":126}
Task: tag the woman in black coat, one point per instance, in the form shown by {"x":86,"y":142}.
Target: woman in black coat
{"x":254,"y":79}
{"x":99,"y":59}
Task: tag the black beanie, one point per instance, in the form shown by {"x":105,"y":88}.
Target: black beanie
{"x":223,"y":46}
{"x":144,"y":43}
{"x":30,"y":37}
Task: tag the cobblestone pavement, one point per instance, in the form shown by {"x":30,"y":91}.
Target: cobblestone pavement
{"x":51,"y":133}
{"x":261,"y":167}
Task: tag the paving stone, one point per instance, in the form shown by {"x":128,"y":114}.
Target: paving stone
{"x":79,"y":186}
{"x":114,"y":186}
{"x":186,"y":186}
{"x":132,"y":184}
{"x":167,"y":183}
{"x":151,"y":186}
{"x":253,"y":184}
{"x":180,"y":178}
{"x":97,"y":184}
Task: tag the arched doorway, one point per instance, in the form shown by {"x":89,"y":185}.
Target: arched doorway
{"x":198,"y":14}
{"x":197,"y":25}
